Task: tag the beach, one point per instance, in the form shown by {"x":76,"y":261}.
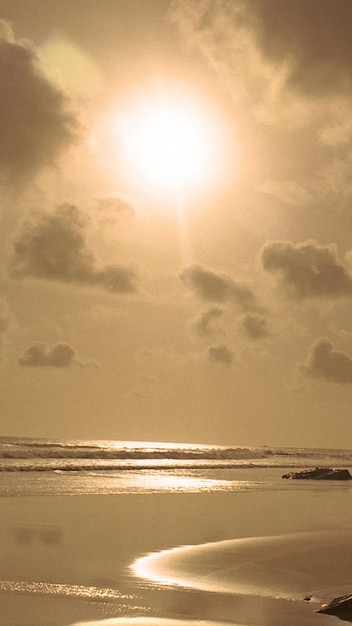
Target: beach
{"x":265,"y":552}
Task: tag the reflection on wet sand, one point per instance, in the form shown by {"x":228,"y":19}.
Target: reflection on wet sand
{"x":154,"y":621}
{"x":25,"y":534}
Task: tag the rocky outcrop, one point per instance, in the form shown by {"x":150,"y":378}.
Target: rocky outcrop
{"x":341,"y":607}
{"x":321,"y":473}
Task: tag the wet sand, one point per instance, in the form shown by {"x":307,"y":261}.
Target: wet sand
{"x":293,"y":566}
{"x":246,"y":557}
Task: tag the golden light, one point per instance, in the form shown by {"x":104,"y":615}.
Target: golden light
{"x":170,"y":143}
{"x":169,"y":146}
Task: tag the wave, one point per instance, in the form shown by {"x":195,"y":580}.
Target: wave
{"x":43,"y":454}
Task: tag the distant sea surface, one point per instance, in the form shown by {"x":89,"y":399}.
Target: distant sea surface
{"x":57,"y":467}
{"x":26,"y":454}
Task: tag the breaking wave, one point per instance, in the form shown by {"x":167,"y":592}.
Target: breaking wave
{"x":25,"y":454}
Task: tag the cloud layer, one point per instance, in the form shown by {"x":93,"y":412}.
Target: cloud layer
{"x":36,"y":122}
{"x":53,"y":246}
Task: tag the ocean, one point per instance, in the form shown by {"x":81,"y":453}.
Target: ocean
{"x":31,"y":466}
{"x":29,"y":454}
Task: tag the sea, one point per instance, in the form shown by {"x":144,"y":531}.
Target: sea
{"x":34,"y":466}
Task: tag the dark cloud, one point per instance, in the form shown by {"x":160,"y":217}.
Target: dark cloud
{"x":307,"y":270}
{"x":221,"y":354}
{"x":41,"y":355}
{"x":327,"y":364}
{"x":53,"y":246}
{"x":36,"y":122}
{"x":313,"y":38}
{"x":255,"y":326}
{"x":215,"y":287}
{"x":203,"y":325}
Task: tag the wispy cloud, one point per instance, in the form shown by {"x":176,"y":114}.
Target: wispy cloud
{"x":287,"y":191}
{"x":271,"y":52}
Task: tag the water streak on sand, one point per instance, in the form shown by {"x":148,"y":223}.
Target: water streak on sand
{"x":60,"y":589}
{"x":281,"y":566}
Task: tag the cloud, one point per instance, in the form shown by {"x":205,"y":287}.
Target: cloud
{"x":215,"y":29}
{"x":111,"y":210}
{"x":53,"y":246}
{"x":203,"y":325}
{"x":255,"y":326}
{"x":221,"y":354}
{"x":36,"y":123}
{"x":41,"y":355}
{"x":287,"y":191}
{"x":307,"y":270}
{"x":312,"y":38}
{"x":327,"y":364}
{"x":214,"y":287}
{"x":265,"y":49}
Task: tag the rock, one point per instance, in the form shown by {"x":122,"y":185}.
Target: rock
{"x":341,"y":607}
{"x":321,"y":473}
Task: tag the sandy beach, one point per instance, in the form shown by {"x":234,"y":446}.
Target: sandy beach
{"x":207,"y":558}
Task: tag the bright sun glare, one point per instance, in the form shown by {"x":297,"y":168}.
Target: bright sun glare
{"x":170,"y":144}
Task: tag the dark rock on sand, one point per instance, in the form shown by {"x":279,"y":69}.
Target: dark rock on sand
{"x":321,"y":473}
{"x":341,"y":607}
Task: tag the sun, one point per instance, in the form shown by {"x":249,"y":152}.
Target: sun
{"x":170,"y":146}
{"x":170,"y":143}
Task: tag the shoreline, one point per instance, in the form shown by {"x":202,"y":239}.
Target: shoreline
{"x":279,"y":566}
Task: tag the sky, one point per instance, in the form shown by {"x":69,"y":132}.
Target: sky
{"x":176,"y":219}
